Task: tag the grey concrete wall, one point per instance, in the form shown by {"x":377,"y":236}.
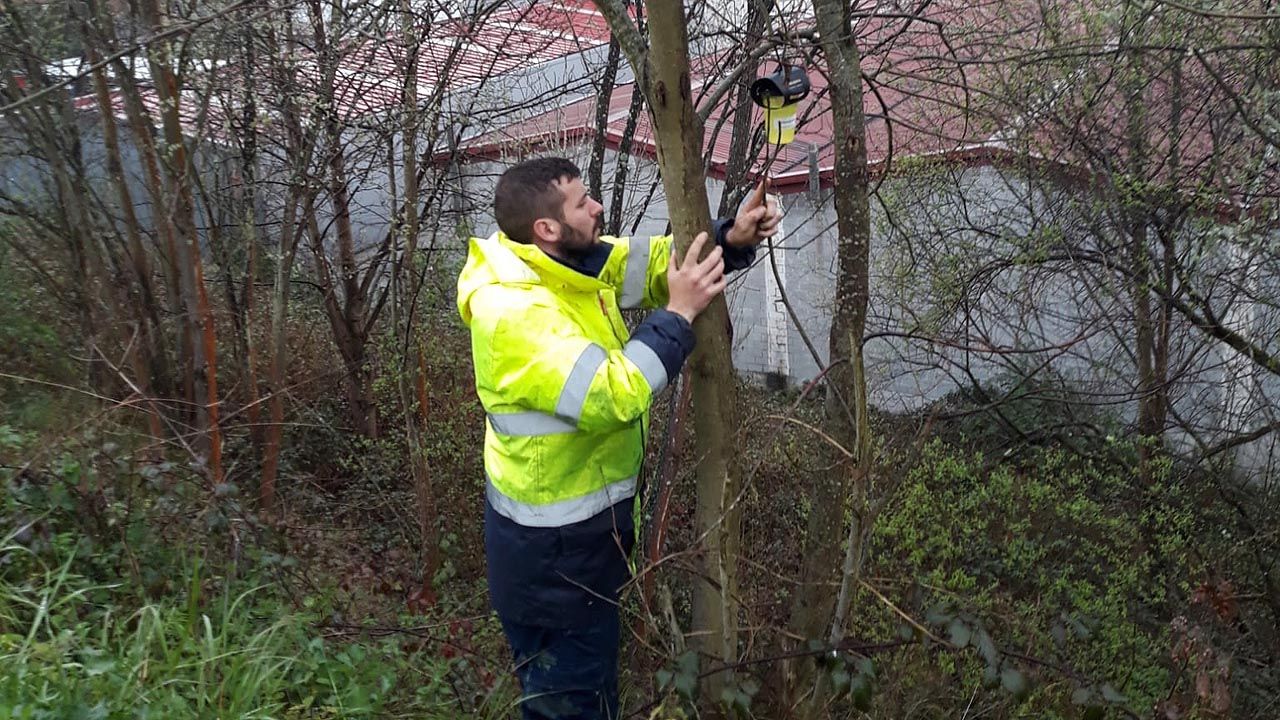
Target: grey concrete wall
{"x":1013,"y":318}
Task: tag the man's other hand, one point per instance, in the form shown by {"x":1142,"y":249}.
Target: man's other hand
{"x":757,"y":219}
{"x":693,"y":284}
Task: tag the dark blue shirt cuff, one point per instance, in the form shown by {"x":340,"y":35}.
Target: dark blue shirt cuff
{"x":668,"y":335}
{"x":735,"y":258}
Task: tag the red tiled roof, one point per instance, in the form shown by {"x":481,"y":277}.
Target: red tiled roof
{"x":939,"y":86}
{"x":922,"y":122}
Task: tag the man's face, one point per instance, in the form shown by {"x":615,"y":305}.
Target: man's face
{"x":582,"y":218}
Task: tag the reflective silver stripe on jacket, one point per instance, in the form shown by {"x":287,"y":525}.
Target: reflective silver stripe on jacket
{"x":529,"y":424}
{"x":574,"y":393}
{"x":564,"y":512}
{"x":655,"y":373}
{"x":633,"y":281}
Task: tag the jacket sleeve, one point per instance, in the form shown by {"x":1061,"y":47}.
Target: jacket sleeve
{"x":734,"y":258}
{"x":537,"y":374}
{"x":637,"y":268}
{"x":641,"y":276}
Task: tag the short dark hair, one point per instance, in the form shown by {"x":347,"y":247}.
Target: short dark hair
{"x":527,"y":191}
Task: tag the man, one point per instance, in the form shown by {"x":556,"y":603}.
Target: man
{"x":567,"y":395}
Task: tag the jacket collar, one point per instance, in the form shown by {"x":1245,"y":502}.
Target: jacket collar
{"x":552,"y":272}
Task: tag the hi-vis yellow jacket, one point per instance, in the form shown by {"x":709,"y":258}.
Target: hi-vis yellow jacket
{"x":566,"y":394}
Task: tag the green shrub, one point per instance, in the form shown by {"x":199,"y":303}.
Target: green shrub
{"x":1045,"y":556}
{"x":32,"y":347}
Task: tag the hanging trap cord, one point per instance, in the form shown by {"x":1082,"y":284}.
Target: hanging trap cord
{"x":770,"y":157}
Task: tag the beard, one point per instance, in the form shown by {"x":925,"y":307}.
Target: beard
{"x":577,"y":243}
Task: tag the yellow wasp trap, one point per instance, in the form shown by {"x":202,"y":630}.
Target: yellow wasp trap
{"x":780,"y":94}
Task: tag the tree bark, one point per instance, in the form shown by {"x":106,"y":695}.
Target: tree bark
{"x":50,"y":128}
{"x":817,"y":610}
{"x":348,"y":318}
{"x":663,"y":70}
{"x":145,"y":141}
{"x":1151,"y":357}
{"x":622,"y":168}
{"x":595,"y":168}
{"x":742,"y":149}
{"x":278,"y":349}
{"x":247,"y":204}
{"x":299,"y":204}
{"x":143,"y":354}
{"x":413,"y":359}
{"x":196,"y":310}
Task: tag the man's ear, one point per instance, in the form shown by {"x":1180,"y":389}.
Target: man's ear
{"x":546,"y":230}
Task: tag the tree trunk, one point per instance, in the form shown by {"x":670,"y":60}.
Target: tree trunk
{"x":278,"y":348}
{"x":1139,"y":217}
{"x":678,"y":133}
{"x":299,"y":205}
{"x":50,"y":128}
{"x":143,"y":353}
{"x":298,"y":208}
{"x":622,"y":167}
{"x":247,"y":205}
{"x":742,"y":151}
{"x":348,"y":319}
{"x":818,"y":611}
{"x":196,"y":311}
{"x":144,"y":140}
{"x":595,"y":168}
{"x":413,"y":360}
{"x":62,"y":140}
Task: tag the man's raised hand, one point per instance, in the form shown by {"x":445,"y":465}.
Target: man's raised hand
{"x":693,"y":283}
{"x":757,"y":219}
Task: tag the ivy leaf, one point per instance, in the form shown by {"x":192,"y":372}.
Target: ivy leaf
{"x":840,"y":680}
{"x":737,"y":698}
{"x":987,"y":647}
{"x":729,"y":697}
{"x":688,"y":663}
{"x":664,"y":678}
{"x":686,"y":676}
{"x":822,"y":656}
{"x":686,"y":685}
{"x":1059,"y":633}
{"x":960,"y":633}
{"x":860,"y":691}
{"x":1015,"y":683}
{"x":1112,"y":695}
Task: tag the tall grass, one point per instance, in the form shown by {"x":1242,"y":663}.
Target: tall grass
{"x":69,"y":652}
{"x":63,"y":656}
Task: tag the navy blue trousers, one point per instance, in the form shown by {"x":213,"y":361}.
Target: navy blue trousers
{"x":567,"y":673}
